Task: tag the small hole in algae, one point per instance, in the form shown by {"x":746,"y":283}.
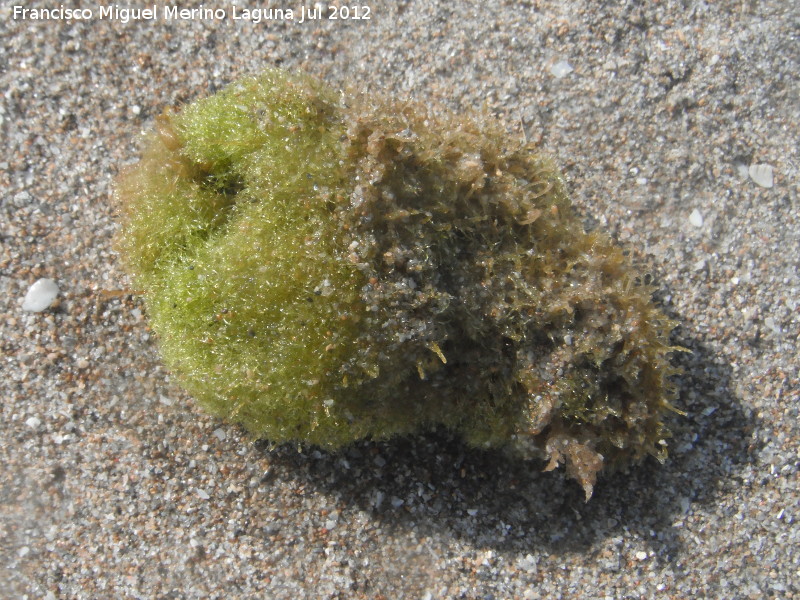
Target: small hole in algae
{"x":226,"y":184}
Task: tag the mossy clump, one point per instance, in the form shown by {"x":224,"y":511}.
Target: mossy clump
{"x":326,"y":269}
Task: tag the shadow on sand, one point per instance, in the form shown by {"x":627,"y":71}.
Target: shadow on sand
{"x":436,"y":484}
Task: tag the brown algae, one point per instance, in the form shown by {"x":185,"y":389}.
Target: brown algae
{"x":325,"y":269}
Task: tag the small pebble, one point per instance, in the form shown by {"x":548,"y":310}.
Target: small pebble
{"x":33,"y":422}
{"x":561,"y":69}
{"x":685,"y":505}
{"x":528,"y":563}
{"x":696,"y":219}
{"x":772,"y":325}
{"x":40,"y":295}
{"x":742,"y":170}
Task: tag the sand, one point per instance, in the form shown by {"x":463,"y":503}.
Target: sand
{"x":670,"y":121}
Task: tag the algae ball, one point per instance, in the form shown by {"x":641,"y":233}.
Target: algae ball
{"x":324,"y":269}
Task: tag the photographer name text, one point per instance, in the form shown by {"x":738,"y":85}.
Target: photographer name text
{"x":126,"y":14}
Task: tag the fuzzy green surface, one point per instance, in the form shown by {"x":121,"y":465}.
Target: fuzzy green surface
{"x":324,"y":271}
{"x":228,"y":234}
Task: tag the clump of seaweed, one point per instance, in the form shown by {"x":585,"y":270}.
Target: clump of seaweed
{"x":326,"y":269}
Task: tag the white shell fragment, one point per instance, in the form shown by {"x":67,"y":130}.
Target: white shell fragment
{"x":761,"y":174}
{"x":40,"y":295}
{"x":742,"y":169}
{"x":696,"y":218}
{"x":561,"y":69}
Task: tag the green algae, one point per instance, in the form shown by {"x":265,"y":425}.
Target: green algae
{"x":324,"y":269}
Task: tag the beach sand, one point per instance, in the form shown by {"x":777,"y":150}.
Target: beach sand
{"x":669,"y":119}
